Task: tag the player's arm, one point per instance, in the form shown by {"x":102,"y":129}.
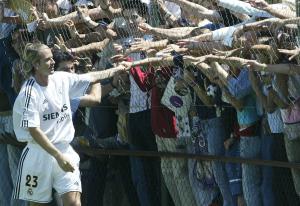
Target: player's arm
{"x":39,"y":136}
{"x":94,"y":97}
{"x":97,"y":76}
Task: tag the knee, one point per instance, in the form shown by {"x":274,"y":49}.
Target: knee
{"x":74,"y":202}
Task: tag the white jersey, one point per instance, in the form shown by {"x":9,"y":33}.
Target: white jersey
{"x":48,"y":107}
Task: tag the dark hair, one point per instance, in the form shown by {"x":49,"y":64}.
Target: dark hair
{"x":59,"y":56}
{"x":141,"y":8}
{"x":228,"y":18}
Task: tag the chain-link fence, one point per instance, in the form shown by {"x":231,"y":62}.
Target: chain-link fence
{"x":202,"y":111}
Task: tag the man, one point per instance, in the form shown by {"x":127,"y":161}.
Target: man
{"x":42,"y":118}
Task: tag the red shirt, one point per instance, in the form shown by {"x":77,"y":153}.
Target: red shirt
{"x":163,"y":120}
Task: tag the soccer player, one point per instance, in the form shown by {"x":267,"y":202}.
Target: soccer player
{"x":42,"y":118}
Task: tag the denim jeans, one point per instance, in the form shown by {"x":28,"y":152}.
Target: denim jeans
{"x":145,"y":171}
{"x":251,"y":148}
{"x":267,"y":172}
{"x":7,"y":56}
{"x":203,"y":196}
{"x":234,"y":172}
{"x":213,"y":130}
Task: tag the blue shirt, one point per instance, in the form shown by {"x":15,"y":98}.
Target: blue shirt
{"x":241,"y":88}
{"x":74,"y":103}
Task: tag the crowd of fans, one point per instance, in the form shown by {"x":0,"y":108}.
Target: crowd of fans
{"x":217,"y":77}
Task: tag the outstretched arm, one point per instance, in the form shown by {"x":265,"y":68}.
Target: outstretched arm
{"x":95,"y":14}
{"x":172,"y":34}
{"x":263,"y":5}
{"x":198,"y":11}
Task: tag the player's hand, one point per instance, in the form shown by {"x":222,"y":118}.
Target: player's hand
{"x":64,"y":163}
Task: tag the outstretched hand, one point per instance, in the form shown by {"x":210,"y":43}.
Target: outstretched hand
{"x":83,"y":13}
{"x":145,"y":28}
{"x":187,"y":43}
{"x":60,"y":44}
{"x":72,"y":29}
{"x":292,"y":53}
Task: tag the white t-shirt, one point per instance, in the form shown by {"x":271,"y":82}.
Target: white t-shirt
{"x":48,"y":107}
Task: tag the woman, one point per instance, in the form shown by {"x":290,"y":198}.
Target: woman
{"x":42,"y":118}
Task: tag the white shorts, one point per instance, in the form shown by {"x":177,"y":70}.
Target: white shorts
{"x":39,"y":173}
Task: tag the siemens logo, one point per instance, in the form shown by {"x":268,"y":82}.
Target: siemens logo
{"x":54,"y":115}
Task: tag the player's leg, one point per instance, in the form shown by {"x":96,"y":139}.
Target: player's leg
{"x":68,"y":184}
{"x":71,"y":199}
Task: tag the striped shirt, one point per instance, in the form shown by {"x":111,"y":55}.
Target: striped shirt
{"x":48,"y":108}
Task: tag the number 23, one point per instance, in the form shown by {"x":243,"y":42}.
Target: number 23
{"x":31,"y":181}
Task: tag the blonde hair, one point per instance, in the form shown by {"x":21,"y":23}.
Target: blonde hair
{"x":31,"y":55}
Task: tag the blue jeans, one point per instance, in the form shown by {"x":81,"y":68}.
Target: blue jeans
{"x":251,"y":148}
{"x":202,"y":195}
{"x":267,"y":173}
{"x":234,"y":172}
{"x":146,"y":172}
{"x":213,"y":130}
{"x":7,"y":56}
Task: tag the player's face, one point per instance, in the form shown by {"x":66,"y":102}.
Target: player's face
{"x":45,"y":66}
